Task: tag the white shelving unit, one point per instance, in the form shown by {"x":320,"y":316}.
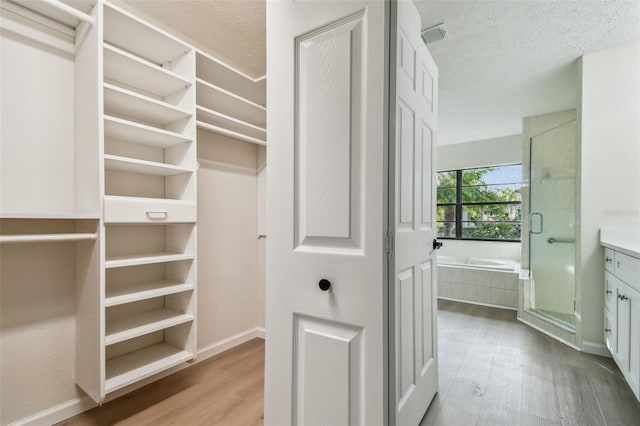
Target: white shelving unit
{"x":113,"y":189}
{"x":229,"y":102}
{"x":147,"y":298}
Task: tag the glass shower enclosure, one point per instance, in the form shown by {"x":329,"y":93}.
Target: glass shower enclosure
{"x":552,"y":224}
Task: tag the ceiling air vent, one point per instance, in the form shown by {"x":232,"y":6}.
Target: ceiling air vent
{"x":435,"y":33}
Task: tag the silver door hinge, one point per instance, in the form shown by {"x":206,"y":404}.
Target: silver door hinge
{"x":388,"y":244}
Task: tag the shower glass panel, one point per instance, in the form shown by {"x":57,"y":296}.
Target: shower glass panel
{"x":552,"y":223}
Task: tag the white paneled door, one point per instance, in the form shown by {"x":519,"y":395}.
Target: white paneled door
{"x":350,"y":170}
{"x":325,"y":348}
{"x":412,"y":265}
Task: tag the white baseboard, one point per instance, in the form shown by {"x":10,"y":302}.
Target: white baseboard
{"x":77,"y":406}
{"x":57,"y":413}
{"x":228,"y":343}
{"x":595,"y":349}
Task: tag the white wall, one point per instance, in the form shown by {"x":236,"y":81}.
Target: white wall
{"x":230,"y":256}
{"x":609,"y":125}
{"x":481,"y":153}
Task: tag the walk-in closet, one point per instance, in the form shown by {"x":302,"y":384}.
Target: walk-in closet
{"x":131,"y":205}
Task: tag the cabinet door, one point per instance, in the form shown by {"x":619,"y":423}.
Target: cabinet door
{"x":633,"y":304}
{"x":610,"y":331}
{"x":623,"y":326}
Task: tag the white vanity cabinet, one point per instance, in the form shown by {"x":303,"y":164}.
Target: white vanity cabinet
{"x":622,"y":302}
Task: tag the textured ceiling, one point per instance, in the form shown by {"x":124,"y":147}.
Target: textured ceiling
{"x":505,"y":60}
{"x":232,"y":30}
{"x":502,"y":61}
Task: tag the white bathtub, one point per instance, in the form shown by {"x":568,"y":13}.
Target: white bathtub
{"x":478,"y":263}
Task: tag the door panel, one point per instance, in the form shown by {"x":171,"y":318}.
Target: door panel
{"x":413,"y":307}
{"x":325,"y":350}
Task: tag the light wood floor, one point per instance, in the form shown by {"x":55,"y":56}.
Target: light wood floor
{"x":493,"y":371}
{"x":224,"y":390}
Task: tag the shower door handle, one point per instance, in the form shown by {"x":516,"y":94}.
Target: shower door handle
{"x":531,"y":215}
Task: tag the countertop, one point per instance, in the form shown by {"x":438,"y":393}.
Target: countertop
{"x":625,"y":240}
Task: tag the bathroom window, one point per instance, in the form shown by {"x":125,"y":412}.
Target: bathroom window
{"x":480,"y":204}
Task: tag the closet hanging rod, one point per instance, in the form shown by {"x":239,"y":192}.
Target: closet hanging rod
{"x":70,"y":11}
{"x":32,"y":238}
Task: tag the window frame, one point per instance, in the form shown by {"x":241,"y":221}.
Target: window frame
{"x":459,"y":204}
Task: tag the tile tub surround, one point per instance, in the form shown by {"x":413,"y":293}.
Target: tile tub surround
{"x":495,"y":288}
{"x":499,"y":250}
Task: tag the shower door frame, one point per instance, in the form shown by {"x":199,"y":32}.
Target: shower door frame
{"x":532,"y":127}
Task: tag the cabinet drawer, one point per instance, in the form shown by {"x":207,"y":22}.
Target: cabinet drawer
{"x":627,"y":268}
{"x":146,"y":210}
{"x":609,"y":258}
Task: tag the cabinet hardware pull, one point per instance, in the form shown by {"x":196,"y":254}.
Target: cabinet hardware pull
{"x":608,"y":259}
{"x":608,"y":291}
{"x":607,"y":330}
{"x":623,"y":297}
{"x":157,"y":215}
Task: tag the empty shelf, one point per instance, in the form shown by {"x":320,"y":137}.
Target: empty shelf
{"x":133,"y":165}
{"x":128,"y":32}
{"x":145,"y":259}
{"x":217,"y":99}
{"x":132,"y":367}
{"x":128,"y":69}
{"x":30,"y":238}
{"x":61,"y":12}
{"x":217,"y":119}
{"x":133,"y":293}
{"x":144,"y":323}
{"x":130,"y":131}
{"x":125,"y":102}
{"x":229,"y":133}
{"x":216,"y":72}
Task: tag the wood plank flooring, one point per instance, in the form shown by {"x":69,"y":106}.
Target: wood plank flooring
{"x":224,"y":390}
{"x":493,"y":371}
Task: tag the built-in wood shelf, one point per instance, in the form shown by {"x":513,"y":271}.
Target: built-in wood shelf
{"x":120,"y":101}
{"x":60,"y":11}
{"x":218,"y":99}
{"x":143,"y":291}
{"x":220,"y":74}
{"x":123,"y":67}
{"x":132,"y":367}
{"x":128,"y":32}
{"x":130,"y":131}
{"x":222,"y":131}
{"x":134,"y":165}
{"x":145,"y":259}
{"x":214,"y":118}
{"x":143,"y":323}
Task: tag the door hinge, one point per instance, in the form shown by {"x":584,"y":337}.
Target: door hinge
{"x":388,"y":244}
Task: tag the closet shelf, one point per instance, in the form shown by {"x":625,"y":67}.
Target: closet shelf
{"x":220,"y":74}
{"x":229,"y":133}
{"x":133,"y":165}
{"x":59,"y":11}
{"x":128,"y":32}
{"x":218,"y":119}
{"x":125,"y":102}
{"x":145,"y":259}
{"x":130,"y":131}
{"x":217,"y":99}
{"x":35,"y":238}
{"x":132,"y":367}
{"x":130,"y":70}
{"x":43,"y":216}
{"x":134,"y":293}
{"x":143,"y":323}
